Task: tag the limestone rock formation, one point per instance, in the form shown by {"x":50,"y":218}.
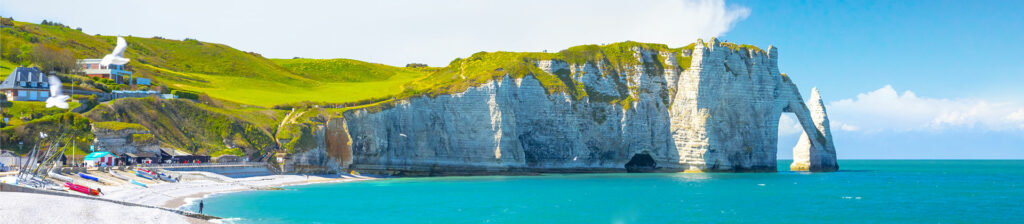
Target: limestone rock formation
{"x":719,"y":114}
{"x":124,"y":140}
{"x":807,"y":157}
{"x":331,"y":153}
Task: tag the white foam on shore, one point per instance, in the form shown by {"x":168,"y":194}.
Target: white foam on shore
{"x":227,"y":220}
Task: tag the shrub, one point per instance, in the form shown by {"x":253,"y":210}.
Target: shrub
{"x":117,"y":126}
{"x":185,"y":94}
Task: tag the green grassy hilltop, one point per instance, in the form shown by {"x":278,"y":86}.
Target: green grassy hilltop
{"x":219,"y":70}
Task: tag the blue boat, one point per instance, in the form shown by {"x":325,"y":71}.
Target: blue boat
{"x":140,"y":184}
{"x":143,"y":175}
{"x":87,"y":177}
{"x":167,"y":178}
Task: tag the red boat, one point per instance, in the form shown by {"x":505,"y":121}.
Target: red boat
{"x":82,"y":189}
{"x":147,"y":171}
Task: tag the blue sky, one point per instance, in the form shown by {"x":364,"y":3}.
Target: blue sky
{"x":901,"y":79}
{"x":961,"y":62}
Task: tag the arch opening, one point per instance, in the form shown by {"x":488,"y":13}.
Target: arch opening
{"x":641,"y":163}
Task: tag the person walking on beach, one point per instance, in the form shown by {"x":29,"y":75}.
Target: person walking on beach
{"x":200,"y":206}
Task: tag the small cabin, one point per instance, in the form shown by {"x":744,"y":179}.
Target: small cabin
{"x":141,"y":158}
{"x":98,"y":159}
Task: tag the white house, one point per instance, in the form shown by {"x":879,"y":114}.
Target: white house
{"x":26,"y":84}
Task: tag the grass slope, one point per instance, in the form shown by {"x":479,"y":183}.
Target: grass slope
{"x":194,"y":127}
{"x":221,"y":71}
{"x":343,"y":70}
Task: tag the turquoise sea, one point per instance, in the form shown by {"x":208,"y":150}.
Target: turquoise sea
{"x":864,"y":191}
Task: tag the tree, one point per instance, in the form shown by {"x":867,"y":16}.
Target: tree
{"x":13,"y":55}
{"x":51,"y":58}
{"x":26,"y":55}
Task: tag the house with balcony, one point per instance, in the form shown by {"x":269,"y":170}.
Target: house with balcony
{"x":26,"y":84}
{"x":115,"y":71}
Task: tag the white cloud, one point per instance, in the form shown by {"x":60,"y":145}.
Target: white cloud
{"x":887,"y":110}
{"x":396,"y":32}
{"x":844,"y":126}
{"x":788,"y":125}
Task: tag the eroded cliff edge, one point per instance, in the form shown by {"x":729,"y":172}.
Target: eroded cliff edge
{"x":719,"y":114}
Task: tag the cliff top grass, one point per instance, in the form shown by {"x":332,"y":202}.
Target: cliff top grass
{"x":118,"y":126}
{"x":345,"y":70}
{"x":482,"y":67}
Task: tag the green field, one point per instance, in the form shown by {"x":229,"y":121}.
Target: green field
{"x":263,"y":92}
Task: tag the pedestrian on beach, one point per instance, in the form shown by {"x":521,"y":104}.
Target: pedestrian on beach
{"x":200,"y":206}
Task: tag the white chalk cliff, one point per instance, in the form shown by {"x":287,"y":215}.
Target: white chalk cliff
{"x":719,"y":115}
{"x":810,"y":157}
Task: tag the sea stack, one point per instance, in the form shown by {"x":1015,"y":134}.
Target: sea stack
{"x":807,"y":157}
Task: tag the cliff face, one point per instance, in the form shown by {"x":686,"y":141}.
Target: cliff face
{"x":720,"y":114}
{"x":810,"y":157}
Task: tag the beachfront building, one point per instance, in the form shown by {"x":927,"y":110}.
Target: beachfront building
{"x":114,"y":71}
{"x":141,"y":158}
{"x":97,"y":159}
{"x":8,"y":160}
{"x":26,"y":84}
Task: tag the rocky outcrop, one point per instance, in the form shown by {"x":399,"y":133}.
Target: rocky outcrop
{"x":720,"y":114}
{"x":331,"y":154}
{"x":124,"y":140}
{"x":807,"y":156}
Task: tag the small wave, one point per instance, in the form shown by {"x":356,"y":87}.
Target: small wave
{"x":227,"y":220}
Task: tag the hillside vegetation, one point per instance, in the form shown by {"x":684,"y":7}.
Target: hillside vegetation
{"x":194,"y":127}
{"x":345,"y":70}
{"x":216,"y":69}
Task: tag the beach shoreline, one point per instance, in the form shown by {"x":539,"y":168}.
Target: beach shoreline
{"x":193,"y":186}
{"x":183,"y":202}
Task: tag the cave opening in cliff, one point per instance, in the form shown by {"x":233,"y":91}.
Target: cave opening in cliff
{"x":641,"y":162}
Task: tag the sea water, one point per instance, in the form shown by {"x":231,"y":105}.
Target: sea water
{"x":864,"y":191}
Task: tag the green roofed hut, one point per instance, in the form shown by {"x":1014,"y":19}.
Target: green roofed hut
{"x":97,"y":159}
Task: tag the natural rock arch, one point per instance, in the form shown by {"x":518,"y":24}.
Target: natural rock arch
{"x":815,"y":151}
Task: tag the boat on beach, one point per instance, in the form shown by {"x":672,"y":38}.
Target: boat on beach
{"x":143,"y":174}
{"x":81,"y":189}
{"x":89,"y":177}
{"x":167,"y":178}
{"x":119,"y":176}
{"x":146,"y":171}
{"x":139,"y":183}
{"x":60,"y":177}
